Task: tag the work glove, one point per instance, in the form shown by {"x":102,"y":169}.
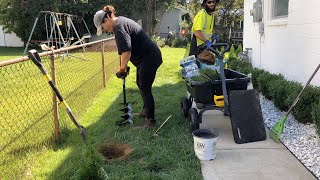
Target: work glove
{"x":208,"y":44}
{"x":216,"y":37}
{"x":122,"y":73}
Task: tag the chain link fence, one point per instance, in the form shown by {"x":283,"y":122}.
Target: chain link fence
{"x":31,"y":119}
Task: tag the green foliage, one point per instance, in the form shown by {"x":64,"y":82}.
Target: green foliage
{"x":179,"y":43}
{"x":302,"y":111}
{"x":265,"y":80}
{"x":228,"y":16}
{"x":244,"y":67}
{"x":233,"y":63}
{"x":18,"y":16}
{"x":316,"y":115}
{"x":232,"y":52}
{"x":255,"y":75}
{"x":92,"y":166}
{"x":206,"y":74}
{"x":294,"y":88}
{"x":283,"y":93}
{"x":238,"y":50}
{"x":222,"y":49}
{"x":161,"y":42}
{"x":279,"y":92}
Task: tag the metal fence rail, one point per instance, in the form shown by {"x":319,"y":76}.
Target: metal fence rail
{"x":31,"y":119}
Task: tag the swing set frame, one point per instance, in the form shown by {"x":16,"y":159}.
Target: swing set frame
{"x":55,"y":37}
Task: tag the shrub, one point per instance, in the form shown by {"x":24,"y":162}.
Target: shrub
{"x":279,"y":91}
{"x":316,"y":115}
{"x":178,"y":42}
{"x":233,"y":63}
{"x":255,"y":74}
{"x":283,"y":93}
{"x":238,"y":50}
{"x":244,"y":67}
{"x":232,"y":52}
{"x":302,"y":111}
{"x":158,"y":41}
{"x":293,"y":90}
{"x":264,"y":82}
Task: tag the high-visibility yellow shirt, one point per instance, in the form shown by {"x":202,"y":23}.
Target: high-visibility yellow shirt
{"x":203,"y":22}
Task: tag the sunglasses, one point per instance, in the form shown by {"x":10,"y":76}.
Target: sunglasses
{"x":211,"y":2}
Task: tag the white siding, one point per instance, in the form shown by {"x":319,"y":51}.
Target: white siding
{"x":170,"y":19}
{"x":9,"y":40}
{"x":290,"y":47}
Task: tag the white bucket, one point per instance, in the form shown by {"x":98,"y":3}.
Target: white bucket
{"x":204,"y":144}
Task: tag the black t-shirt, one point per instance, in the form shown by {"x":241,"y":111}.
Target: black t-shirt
{"x":131,"y":37}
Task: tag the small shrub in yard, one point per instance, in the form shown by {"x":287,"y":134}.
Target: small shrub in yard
{"x":178,"y":42}
{"x":159,"y":41}
{"x":244,"y":67}
{"x":233,"y":63}
{"x":238,"y":50}
{"x":279,"y":91}
{"x":302,"y":111}
{"x":316,"y":115}
{"x":293,"y":90}
{"x":232,"y":52}
{"x":255,"y":74}
{"x":264,"y":82}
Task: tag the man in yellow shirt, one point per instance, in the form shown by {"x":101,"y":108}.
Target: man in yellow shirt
{"x":202,"y":28}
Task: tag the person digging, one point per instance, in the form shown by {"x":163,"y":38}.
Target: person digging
{"x":133,"y":45}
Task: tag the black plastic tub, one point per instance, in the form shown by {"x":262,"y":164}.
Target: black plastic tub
{"x":203,"y":92}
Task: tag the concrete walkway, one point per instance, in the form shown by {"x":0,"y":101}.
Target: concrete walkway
{"x":264,"y":160}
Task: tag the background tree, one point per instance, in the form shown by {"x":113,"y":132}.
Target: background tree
{"x":229,"y":13}
{"x":18,"y":15}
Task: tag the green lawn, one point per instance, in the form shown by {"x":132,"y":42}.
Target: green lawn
{"x":7,"y":53}
{"x":169,"y":156}
{"x":26,"y":105}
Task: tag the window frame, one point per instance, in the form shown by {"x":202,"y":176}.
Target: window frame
{"x":277,"y":20}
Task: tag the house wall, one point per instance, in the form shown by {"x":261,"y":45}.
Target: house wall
{"x":290,"y":46}
{"x":9,"y":40}
{"x":170,"y":19}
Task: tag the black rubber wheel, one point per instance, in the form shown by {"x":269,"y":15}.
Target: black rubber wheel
{"x":185,"y":105}
{"x":193,"y":119}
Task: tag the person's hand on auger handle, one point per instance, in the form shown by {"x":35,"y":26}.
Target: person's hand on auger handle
{"x":123,"y":73}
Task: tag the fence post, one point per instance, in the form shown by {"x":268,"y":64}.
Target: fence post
{"x":55,"y":102}
{"x":103,"y":66}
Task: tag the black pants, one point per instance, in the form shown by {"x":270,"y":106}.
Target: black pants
{"x":146,"y":73}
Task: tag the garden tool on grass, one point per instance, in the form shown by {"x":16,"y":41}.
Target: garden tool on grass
{"x":126,"y":119}
{"x":34,"y":56}
{"x":155,"y":133}
{"x":277,"y":129}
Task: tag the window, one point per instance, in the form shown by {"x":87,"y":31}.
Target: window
{"x":280,"y":8}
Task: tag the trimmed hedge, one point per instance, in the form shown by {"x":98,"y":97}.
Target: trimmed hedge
{"x":283,"y":92}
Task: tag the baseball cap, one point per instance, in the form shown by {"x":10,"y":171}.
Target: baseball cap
{"x":97,"y":20}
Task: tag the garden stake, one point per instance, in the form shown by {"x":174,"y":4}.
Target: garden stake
{"x":155,"y":133}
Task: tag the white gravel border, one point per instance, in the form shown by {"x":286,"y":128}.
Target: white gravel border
{"x":301,"y":139}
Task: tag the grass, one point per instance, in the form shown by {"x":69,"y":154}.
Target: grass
{"x":7,"y":53}
{"x":26,"y":105}
{"x":169,"y":156}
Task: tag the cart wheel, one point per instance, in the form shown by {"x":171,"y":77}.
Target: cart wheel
{"x":193,"y":119}
{"x":185,"y":106}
